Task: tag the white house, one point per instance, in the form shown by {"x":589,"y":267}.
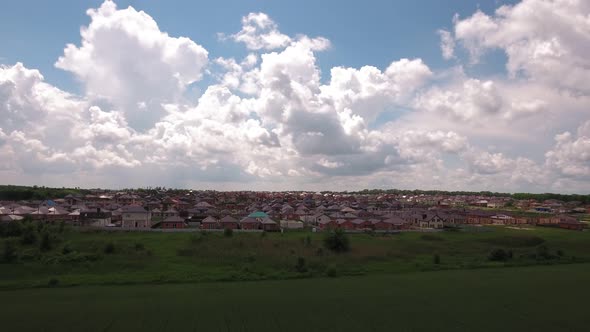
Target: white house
{"x":135,"y":217}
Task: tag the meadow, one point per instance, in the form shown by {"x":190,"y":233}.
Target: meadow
{"x":76,"y":258}
{"x":535,"y":298}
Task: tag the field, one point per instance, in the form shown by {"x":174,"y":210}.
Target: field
{"x":540,"y":298}
{"x":65,"y":279}
{"x":101,"y":258}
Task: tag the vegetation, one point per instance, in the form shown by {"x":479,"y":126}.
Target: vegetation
{"x":516,"y":299}
{"x":337,"y":241}
{"x":78,"y":257}
{"x":16,"y":193}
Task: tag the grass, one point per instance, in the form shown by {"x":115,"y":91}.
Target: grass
{"x":101,"y":258}
{"x":540,"y":298}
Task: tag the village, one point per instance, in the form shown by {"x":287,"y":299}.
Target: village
{"x":278,"y":211}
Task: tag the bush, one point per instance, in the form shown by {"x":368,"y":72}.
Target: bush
{"x":29,"y":234}
{"x":53,"y":282}
{"x":45,"y":244}
{"x":337,"y":241}
{"x":9,"y":254}
{"x":436,"y":259}
{"x":332,"y":272}
{"x":228,"y":232}
{"x":543,"y":252}
{"x":319,"y":252}
{"x":300,"y":265}
{"x":139,"y":246}
{"x":10,"y":229}
{"x":109,"y":248}
{"x":499,"y":255}
{"x":67,"y":249}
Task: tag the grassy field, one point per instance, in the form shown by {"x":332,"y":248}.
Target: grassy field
{"x":539,"y":298}
{"x":101,"y":258}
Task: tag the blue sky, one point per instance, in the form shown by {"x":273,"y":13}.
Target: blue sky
{"x":362,"y":33}
{"x":307,"y":95}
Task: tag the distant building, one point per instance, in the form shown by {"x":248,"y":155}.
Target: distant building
{"x":133,"y":216}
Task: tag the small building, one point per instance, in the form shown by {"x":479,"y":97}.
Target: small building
{"x":134,"y":216}
{"x":228,"y":222}
{"x":210,"y":223}
{"x":95,"y":218}
{"x":250,"y":223}
{"x":173,"y":222}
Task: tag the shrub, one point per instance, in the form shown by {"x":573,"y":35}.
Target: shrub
{"x":332,"y":272}
{"x":543,"y":252}
{"x":29,"y":234}
{"x":109,"y":248}
{"x":337,"y":241}
{"x":67,"y":249}
{"x":45,"y":244}
{"x":139,"y":246}
{"x":319,"y":252}
{"x":9,"y":254}
{"x":498,"y":255}
{"x":53,"y":282}
{"x":436,"y":259}
{"x":228,"y":232}
{"x":300,"y":265}
{"x":560,"y":253}
{"x":9,"y":229}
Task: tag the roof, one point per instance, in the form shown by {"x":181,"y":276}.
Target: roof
{"x":228,"y":219}
{"x":173,"y":219}
{"x":134,"y":209}
{"x":249,"y":220}
{"x":258,"y":214}
{"x":209,"y":220}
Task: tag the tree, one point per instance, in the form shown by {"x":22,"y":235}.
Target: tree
{"x":228,"y":232}
{"x":45,"y":244}
{"x":337,"y":241}
{"x":436,"y":259}
{"x":499,"y":255}
{"x":29,"y":234}
{"x":9,"y":254}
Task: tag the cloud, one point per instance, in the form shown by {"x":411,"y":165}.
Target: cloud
{"x":447,"y":44}
{"x":126,"y":60}
{"x":571,"y":154}
{"x":273,"y":120}
{"x":547,"y":41}
{"x":259,"y":32}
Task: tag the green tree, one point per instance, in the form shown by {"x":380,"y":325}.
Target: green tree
{"x":29,"y":234}
{"x":9,"y":254}
{"x":337,"y":241}
{"x":45,"y":244}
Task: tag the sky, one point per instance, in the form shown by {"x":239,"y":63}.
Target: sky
{"x":306,"y":95}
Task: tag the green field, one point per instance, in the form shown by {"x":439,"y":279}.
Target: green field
{"x":540,"y":298}
{"x":412,"y":281}
{"x":139,"y":258}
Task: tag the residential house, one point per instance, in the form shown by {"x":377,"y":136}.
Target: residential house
{"x":134,"y":216}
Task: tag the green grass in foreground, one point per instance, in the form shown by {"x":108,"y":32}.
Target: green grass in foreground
{"x":540,"y":298}
{"x":140,"y":258}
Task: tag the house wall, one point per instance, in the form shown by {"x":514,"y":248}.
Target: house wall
{"x":136,"y":220}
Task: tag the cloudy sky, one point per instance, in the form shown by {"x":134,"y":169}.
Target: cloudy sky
{"x":310,"y":95}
